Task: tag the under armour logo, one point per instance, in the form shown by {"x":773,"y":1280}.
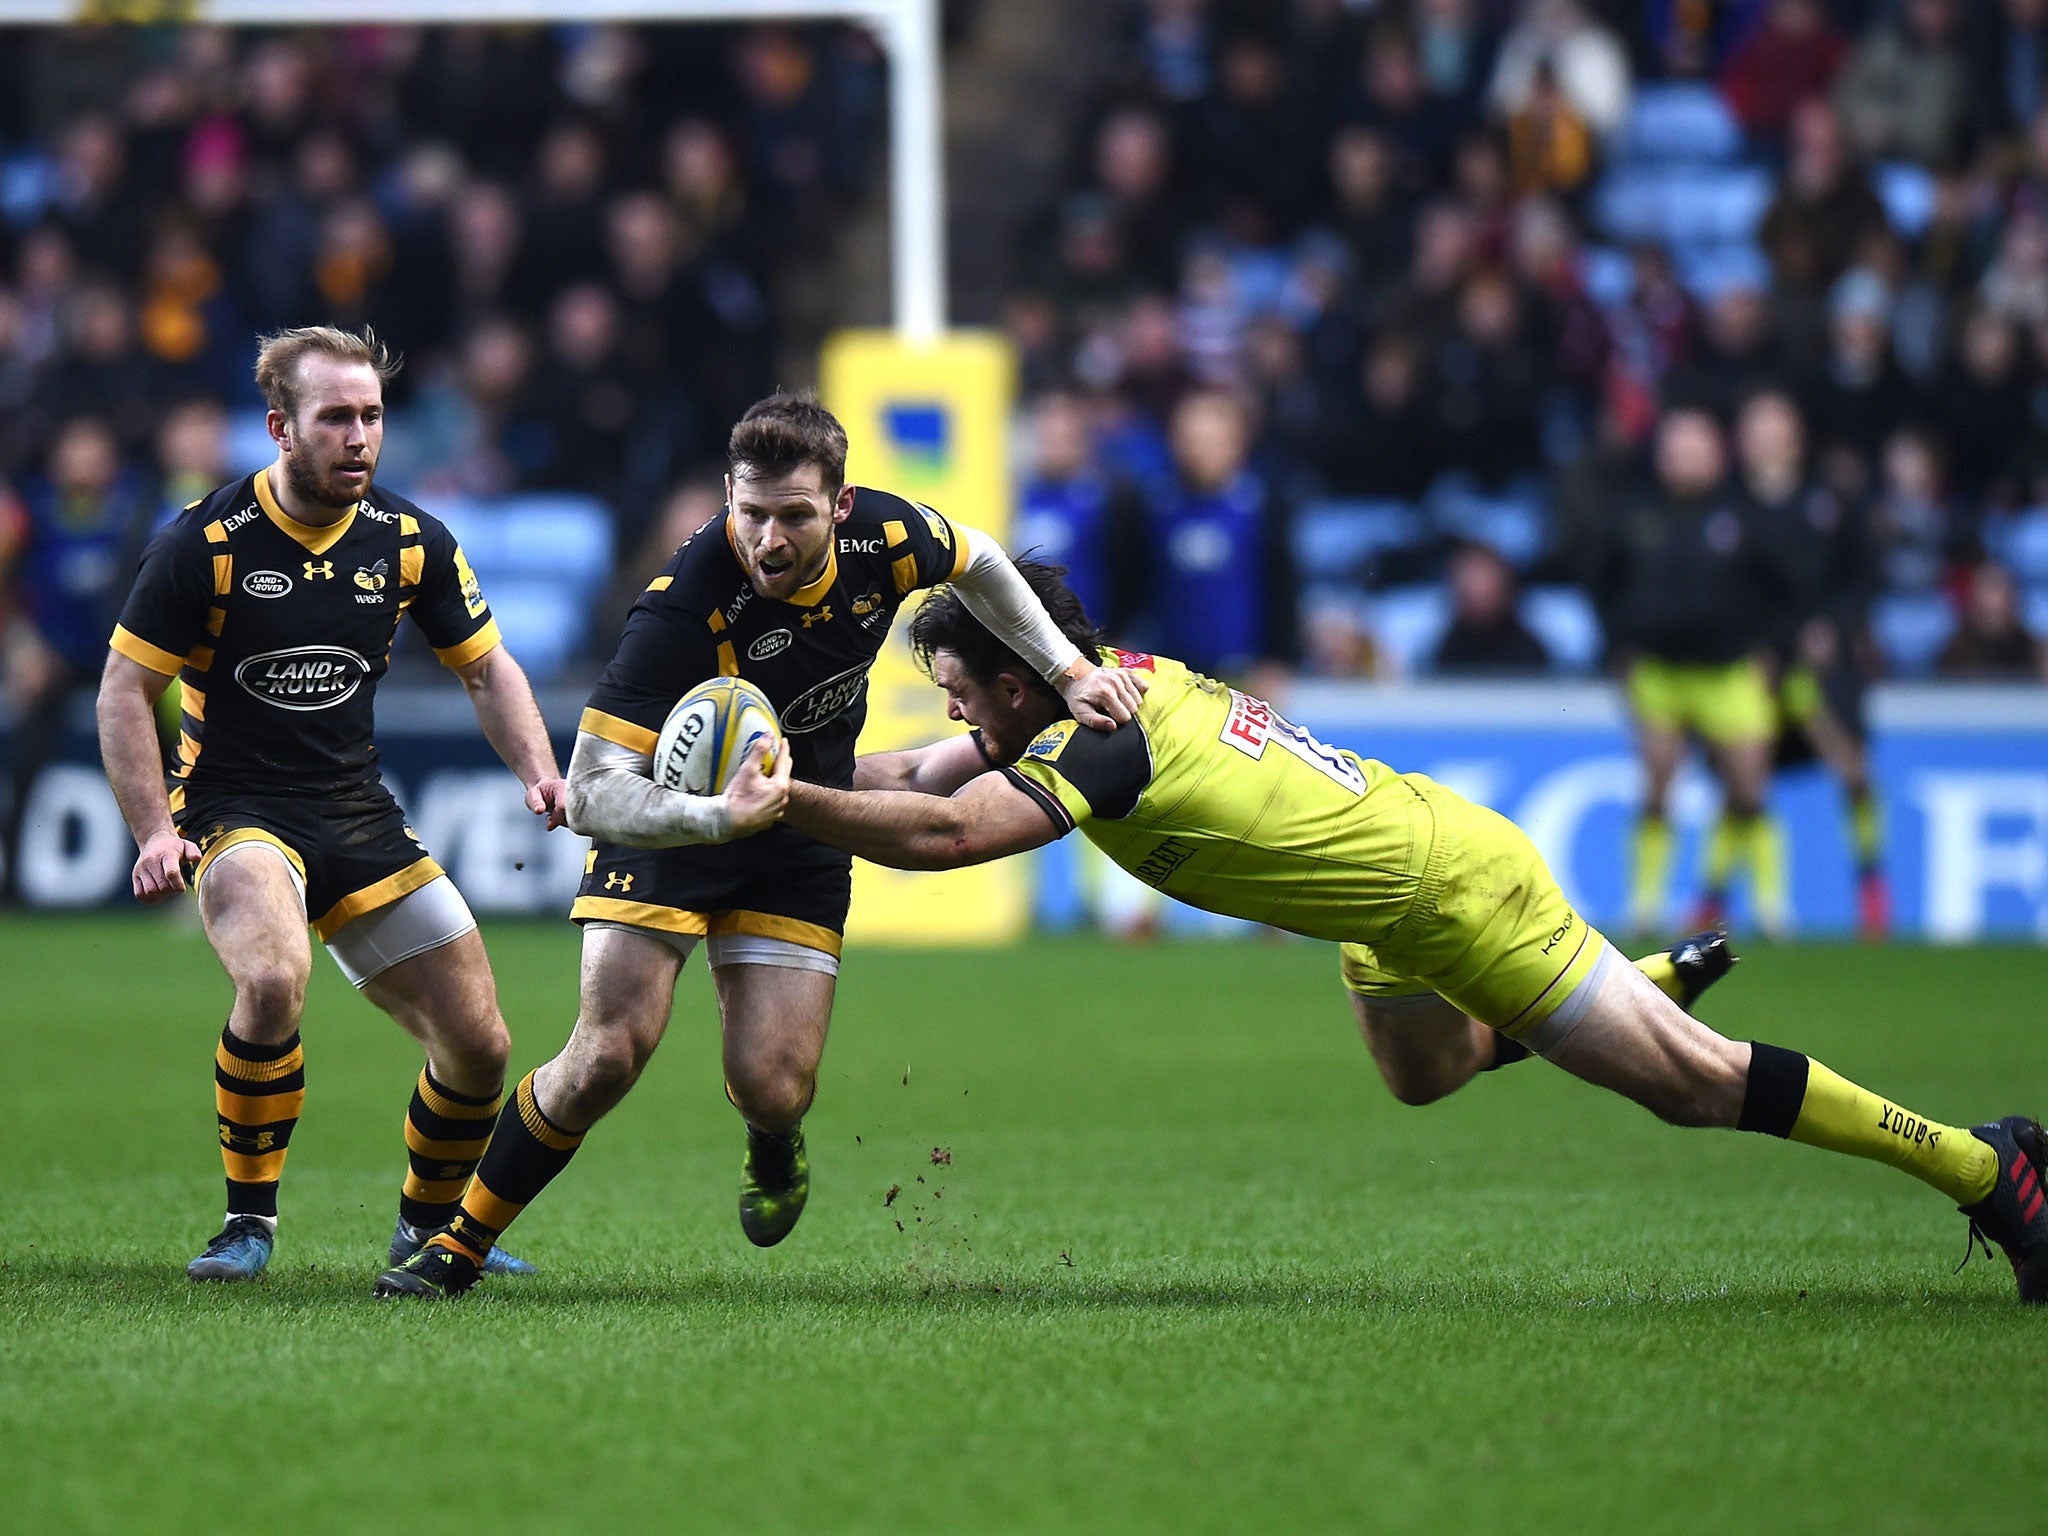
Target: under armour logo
{"x":618,"y":882}
{"x":822,"y":616}
{"x":320,"y":570}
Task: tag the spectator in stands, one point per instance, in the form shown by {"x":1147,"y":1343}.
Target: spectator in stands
{"x":1912,"y":520}
{"x":101,"y":371}
{"x":1381,"y":442}
{"x":1221,"y":595}
{"x":1455,"y":49}
{"x":1367,"y":208}
{"x":1550,"y":147}
{"x":1990,"y":643}
{"x":1486,"y":387}
{"x":2008,"y":62}
{"x":1683,"y":585}
{"x":1487,"y":636}
{"x":1735,"y":354}
{"x":1859,"y":397}
{"x":493,"y":265}
{"x":565,"y":227}
{"x":1588,"y":63}
{"x":191,"y":455}
{"x":1396,"y":102}
{"x":584,"y":402}
{"x":1824,"y":207}
{"x":1253,"y":144}
{"x":1982,"y":407}
{"x":1134,"y":179}
{"x":2015,"y":286}
{"x":87,"y":518}
{"x":1788,"y":56}
{"x":1070,"y":513}
{"x":1904,"y":93}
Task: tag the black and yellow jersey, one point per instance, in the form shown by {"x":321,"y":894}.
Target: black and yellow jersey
{"x":279,"y":632}
{"x":1213,"y":797}
{"x":810,"y":653}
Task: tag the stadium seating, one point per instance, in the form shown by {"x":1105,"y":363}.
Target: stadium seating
{"x":1564,"y":620}
{"x":1910,"y":629}
{"x":1907,"y":192}
{"x":2022,"y":546}
{"x":543,"y":561}
{"x":1407,"y":623}
{"x":1342,"y":541}
{"x":1513,"y":524}
{"x":1682,"y":122}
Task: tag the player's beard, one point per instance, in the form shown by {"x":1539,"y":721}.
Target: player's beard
{"x":310,"y":480}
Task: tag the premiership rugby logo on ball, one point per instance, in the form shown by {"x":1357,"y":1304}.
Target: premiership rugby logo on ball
{"x":706,"y":737}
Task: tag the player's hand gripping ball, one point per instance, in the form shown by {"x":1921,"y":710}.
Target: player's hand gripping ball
{"x":705,"y":739}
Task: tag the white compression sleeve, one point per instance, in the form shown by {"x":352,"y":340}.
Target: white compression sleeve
{"x":612,"y":799}
{"x":1004,"y":602}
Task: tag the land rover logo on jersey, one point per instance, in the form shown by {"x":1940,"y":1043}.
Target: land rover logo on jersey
{"x":826,"y":702}
{"x":305,"y":677}
{"x":266,"y":583}
{"x":774,"y":643}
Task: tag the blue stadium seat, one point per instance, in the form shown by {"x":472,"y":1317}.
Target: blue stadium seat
{"x":1407,"y":623}
{"x":476,"y":526}
{"x":543,"y":623}
{"x":1715,"y":205}
{"x":1341,"y":541}
{"x":248,"y":439}
{"x":1911,"y":628}
{"x":1712,"y":269}
{"x":567,"y":538}
{"x":1564,"y":620}
{"x":1609,"y":275}
{"x":2034,"y":611}
{"x":2023,"y":545}
{"x":1907,"y":192}
{"x":1630,"y":205}
{"x":1679,"y":122}
{"x":1515,"y":525}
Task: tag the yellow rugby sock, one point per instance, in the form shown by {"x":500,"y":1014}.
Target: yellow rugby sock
{"x":1662,"y":973}
{"x":1866,"y":829}
{"x":1764,"y":843}
{"x":1794,"y":1097}
{"x":1724,"y":848}
{"x":1650,"y":876}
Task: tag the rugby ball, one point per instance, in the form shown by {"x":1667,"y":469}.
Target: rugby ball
{"x":704,"y":741}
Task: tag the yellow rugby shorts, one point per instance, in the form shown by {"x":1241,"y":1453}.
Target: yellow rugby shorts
{"x":1727,"y":705}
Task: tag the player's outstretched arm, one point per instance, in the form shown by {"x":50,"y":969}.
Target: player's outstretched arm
{"x":512,"y":724}
{"x":990,"y":819}
{"x":938,"y":769}
{"x":613,"y":799}
{"x":135,"y":769}
{"x":1100,"y":697}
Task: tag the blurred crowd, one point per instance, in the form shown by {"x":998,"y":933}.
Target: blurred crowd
{"x":1345,"y":340}
{"x":575,"y":235}
{"x":1343,"y":302}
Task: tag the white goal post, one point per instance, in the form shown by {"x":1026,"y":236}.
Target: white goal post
{"x":907,"y":30}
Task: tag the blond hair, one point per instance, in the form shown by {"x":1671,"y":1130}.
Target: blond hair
{"x":278,"y":356}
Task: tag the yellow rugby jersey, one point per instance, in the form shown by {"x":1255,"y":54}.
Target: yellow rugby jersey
{"x":1214,"y":798}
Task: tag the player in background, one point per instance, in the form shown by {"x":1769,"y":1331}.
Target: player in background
{"x":275,"y":601}
{"x":1682,"y":582}
{"x":793,"y":586}
{"x":1453,"y":930}
{"x":1828,"y":563}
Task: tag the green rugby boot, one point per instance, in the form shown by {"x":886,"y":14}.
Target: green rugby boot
{"x":436,"y":1272}
{"x":775,"y":1181}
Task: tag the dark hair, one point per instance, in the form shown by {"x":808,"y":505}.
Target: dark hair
{"x":944,"y":624}
{"x":785,"y":432}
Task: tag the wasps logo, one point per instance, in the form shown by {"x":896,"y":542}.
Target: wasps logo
{"x":371,"y":578}
{"x":319,"y":570}
{"x":863,"y":606}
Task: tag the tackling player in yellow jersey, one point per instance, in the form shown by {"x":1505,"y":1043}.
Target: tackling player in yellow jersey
{"x":1451,"y":926}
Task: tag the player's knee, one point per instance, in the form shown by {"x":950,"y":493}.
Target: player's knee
{"x":1417,"y":1088}
{"x":605,"y":1070}
{"x":488,"y":1046}
{"x":774,"y":1094}
{"x":270,"y":995}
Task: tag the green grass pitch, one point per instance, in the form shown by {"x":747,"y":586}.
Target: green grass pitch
{"x":1189,"y":1268}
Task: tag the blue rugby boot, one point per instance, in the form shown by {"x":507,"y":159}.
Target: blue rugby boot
{"x":775,"y":1181}
{"x":240,"y":1251}
{"x":408,"y":1239}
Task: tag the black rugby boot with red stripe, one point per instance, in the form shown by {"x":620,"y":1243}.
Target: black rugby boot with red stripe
{"x":2015,"y":1214}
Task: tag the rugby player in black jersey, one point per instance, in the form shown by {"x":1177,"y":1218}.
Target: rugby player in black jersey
{"x":275,"y":602}
{"x":793,"y":588}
